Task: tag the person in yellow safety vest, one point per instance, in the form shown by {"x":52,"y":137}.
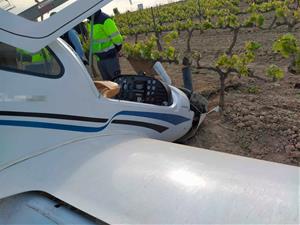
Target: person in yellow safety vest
{"x":27,"y":57}
{"x":34,"y":62}
{"x":106,"y":44}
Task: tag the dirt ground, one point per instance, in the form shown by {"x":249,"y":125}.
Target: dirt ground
{"x":262,"y":118}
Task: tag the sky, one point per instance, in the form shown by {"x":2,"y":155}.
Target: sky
{"x":21,"y":5}
{"x":122,"y":5}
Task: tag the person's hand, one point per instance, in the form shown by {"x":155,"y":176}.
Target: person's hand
{"x":85,"y":61}
{"x":118,"y":47}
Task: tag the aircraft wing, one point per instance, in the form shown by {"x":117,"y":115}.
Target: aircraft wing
{"x":18,"y":29}
{"x":126,"y":179}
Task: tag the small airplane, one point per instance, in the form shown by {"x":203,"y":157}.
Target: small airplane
{"x":71,"y":154}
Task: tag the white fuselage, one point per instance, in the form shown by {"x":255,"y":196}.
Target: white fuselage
{"x":39,"y":113}
{"x":68,"y":155}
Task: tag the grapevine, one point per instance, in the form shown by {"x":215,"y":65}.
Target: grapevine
{"x":202,"y":15}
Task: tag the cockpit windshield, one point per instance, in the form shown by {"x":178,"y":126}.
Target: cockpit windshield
{"x":34,"y":10}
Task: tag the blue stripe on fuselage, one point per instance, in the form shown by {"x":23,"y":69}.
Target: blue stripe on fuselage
{"x":170,"y":118}
{"x":53,"y":126}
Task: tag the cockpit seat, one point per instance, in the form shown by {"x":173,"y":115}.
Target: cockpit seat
{"x":108,"y":89}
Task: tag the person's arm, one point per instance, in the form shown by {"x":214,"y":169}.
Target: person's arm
{"x":113,"y":33}
{"x":73,"y":37}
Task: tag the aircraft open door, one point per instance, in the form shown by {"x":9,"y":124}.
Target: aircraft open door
{"x":27,"y":24}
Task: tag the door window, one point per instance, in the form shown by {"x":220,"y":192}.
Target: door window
{"x":42,"y":63}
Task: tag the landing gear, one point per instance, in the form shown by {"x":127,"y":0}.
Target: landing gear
{"x":199,"y":105}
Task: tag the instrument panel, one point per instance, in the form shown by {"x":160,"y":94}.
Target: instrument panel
{"x":144,"y":89}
